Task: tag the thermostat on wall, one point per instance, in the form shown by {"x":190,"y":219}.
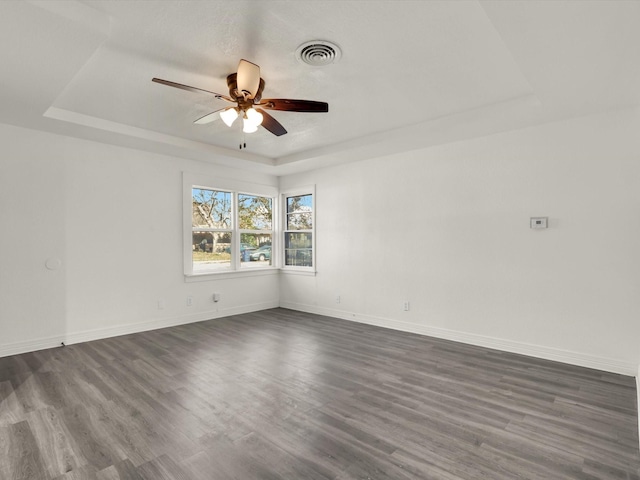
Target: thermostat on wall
{"x":539,"y":222}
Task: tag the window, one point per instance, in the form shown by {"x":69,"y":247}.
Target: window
{"x":228,"y":230}
{"x":298,"y":230}
{"x":212,"y":230}
{"x":255,"y":215}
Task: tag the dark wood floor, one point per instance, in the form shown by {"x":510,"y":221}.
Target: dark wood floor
{"x":288,"y":395}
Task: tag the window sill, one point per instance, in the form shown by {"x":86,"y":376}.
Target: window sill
{"x":254,"y":272}
{"x":299,"y":271}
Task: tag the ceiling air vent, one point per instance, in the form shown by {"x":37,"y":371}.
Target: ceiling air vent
{"x":318,"y":53}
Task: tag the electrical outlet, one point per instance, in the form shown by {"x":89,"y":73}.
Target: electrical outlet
{"x":406,"y":306}
{"x":337,"y":298}
{"x":189,"y":301}
{"x":216,"y":297}
{"x":160,"y":304}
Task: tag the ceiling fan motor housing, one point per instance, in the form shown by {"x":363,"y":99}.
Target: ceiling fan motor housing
{"x":237,"y":96}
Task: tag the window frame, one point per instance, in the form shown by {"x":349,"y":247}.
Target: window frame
{"x":296,"y":192}
{"x":235,"y":187}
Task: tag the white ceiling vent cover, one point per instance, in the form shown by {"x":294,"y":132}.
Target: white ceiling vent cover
{"x":318,"y":53}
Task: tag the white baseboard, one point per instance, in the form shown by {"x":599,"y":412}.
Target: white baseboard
{"x":564,"y":356}
{"x":638,"y":400}
{"x":126,"y":329}
{"x":31,"y":345}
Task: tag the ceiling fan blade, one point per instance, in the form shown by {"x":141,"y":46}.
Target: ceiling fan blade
{"x":189,"y":88}
{"x":271,"y":123}
{"x":209,"y":117}
{"x":248,"y":78}
{"x":289,"y":105}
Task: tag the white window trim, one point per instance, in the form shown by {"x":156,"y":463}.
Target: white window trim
{"x":310,"y":189}
{"x":189,"y":180}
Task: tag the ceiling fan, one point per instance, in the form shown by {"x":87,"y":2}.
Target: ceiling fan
{"x":245,"y":90}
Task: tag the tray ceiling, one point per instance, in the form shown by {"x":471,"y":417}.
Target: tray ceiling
{"x":412,"y":74}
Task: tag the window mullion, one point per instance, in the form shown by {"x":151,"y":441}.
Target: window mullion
{"x":235,"y":236}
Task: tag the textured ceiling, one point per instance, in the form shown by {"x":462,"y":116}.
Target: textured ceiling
{"x":412,"y":73}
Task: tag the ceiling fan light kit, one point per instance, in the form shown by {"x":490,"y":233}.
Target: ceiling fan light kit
{"x":245,"y":90}
{"x":229,"y":116}
{"x":253,"y":116}
{"x":248,"y":127}
{"x":251,"y":120}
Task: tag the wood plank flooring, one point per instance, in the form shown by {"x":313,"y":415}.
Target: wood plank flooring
{"x":288,"y":395}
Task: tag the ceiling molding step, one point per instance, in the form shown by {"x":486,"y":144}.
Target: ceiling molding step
{"x":150,"y":136}
{"x":445,"y":129}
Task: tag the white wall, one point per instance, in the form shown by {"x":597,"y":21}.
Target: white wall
{"x":32,"y":230}
{"x":447,"y":228}
{"x":113,"y":216}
